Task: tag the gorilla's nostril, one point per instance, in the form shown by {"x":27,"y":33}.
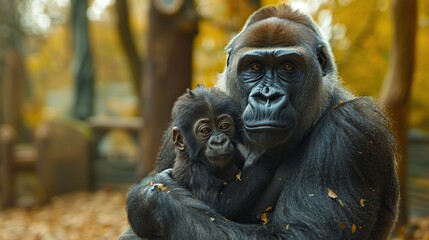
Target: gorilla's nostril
{"x":224,"y":142}
{"x":266,"y":90}
{"x":218,"y":141}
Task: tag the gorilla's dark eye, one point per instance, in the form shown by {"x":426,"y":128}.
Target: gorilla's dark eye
{"x":288,"y":67}
{"x":224,"y":126}
{"x":205,"y":130}
{"x":255,"y":67}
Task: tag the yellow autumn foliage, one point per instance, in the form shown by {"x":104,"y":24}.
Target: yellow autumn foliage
{"x":360,"y":33}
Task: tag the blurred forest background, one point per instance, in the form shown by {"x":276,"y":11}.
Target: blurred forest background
{"x":360,"y":33}
{"x":86,"y":88}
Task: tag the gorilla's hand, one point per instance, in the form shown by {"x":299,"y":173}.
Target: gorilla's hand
{"x":163,"y":178}
{"x":157,"y":206}
{"x":142,"y":201}
{"x":238,"y":197}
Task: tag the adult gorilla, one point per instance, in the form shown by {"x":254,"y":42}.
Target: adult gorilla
{"x":333,"y":153}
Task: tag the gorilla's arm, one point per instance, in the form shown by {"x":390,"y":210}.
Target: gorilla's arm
{"x":239,"y":196}
{"x":345,"y":186}
{"x":157,"y":213}
{"x":170,"y":211}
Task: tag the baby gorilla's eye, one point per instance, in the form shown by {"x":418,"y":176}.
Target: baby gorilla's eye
{"x":205,"y":130}
{"x":224,"y":126}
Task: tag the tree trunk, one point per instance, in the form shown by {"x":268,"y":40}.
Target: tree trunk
{"x":396,"y":90}
{"x":82,"y":62}
{"x":12,"y":89}
{"x":168,"y":69}
{"x":12,"y":74}
{"x":130,"y":49}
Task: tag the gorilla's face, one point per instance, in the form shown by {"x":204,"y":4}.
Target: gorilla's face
{"x":207,"y":126}
{"x":280,"y":89}
{"x":270,"y":77}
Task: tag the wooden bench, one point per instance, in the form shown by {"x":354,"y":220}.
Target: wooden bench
{"x":15,"y":158}
{"x":110,"y":169}
{"x":59,"y":157}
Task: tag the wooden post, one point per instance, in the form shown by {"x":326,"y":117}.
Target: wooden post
{"x":12,"y":89}
{"x":7,"y":142}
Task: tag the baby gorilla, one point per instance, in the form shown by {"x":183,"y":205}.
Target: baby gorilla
{"x":206,"y":132}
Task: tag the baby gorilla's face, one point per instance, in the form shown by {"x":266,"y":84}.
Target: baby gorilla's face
{"x":216,"y":134}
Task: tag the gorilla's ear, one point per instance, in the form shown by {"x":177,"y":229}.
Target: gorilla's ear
{"x":178,"y":139}
{"x":201,"y":86}
{"x":190,"y":93}
{"x":321,"y":57}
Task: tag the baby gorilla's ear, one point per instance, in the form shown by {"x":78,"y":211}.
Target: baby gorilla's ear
{"x":178,"y":139}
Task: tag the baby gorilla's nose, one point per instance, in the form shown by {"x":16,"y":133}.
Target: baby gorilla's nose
{"x":218,"y":141}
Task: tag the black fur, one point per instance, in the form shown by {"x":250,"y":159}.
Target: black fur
{"x":192,"y":169}
{"x":334,"y":163}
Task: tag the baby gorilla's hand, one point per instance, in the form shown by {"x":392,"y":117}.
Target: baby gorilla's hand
{"x":162,"y":180}
{"x":165,"y":176}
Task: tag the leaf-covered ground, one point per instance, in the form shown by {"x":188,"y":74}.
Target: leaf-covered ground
{"x":99,"y":215}
{"x":417,"y":229}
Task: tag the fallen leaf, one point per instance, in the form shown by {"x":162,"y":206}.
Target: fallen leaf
{"x":339,"y":104}
{"x":225,"y":183}
{"x":311,"y":194}
{"x":354,"y":228}
{"x":160,"y":187}
{"x":264,"y":218}
{"x":264,"y":215}
{"x":362,"y":202}
{"x":332,"y":194}
{"x":287,"y":227}
{"x":342,"y":225}
{"x":212,"y":219}
{"x":238,"y":176}
{"x":341,"y":203}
